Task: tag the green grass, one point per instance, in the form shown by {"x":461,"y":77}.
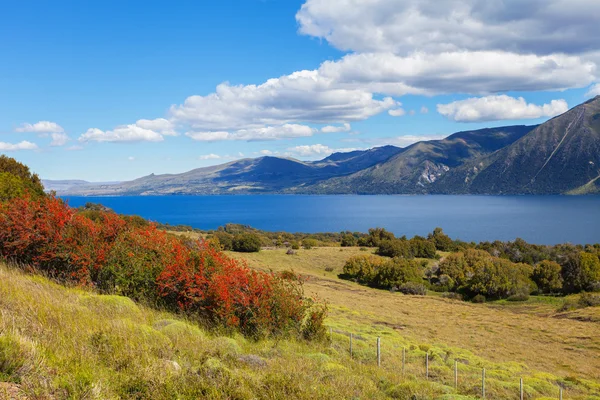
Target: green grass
{"x":58,"y":342}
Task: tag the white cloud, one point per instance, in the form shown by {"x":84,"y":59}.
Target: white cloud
{"x":424,"y":110}
{"x":435,"y":26}
{"x":59,"y":139}
{"x":75,"y":148}
{"x":335,"y":129}
{"x":316,"y":150}
{"x":40,"y":127}
{"x":286,"y":131}
{"x":401,"y":141}
{"x":304,"y":96}
{"x":24,"y":145}
{"x":123,"y":133}
{"x":397,"y":112}
{"x":594,"y":91}
{"x":266,"y":152}
{"x":160,"y":125}
{"x":458,"y":72}
{"x":209,"y":157}
{"x":495,"y":108}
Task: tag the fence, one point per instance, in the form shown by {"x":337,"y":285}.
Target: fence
{"x":426,"y":366}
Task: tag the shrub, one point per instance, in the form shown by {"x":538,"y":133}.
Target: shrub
{"x":452,"y":296}
{"x":225,"y":240}
{"x":154,"y":267}
{"x":422,"y":248}
{"x":362,"y":268}
{"x":396,"y":272}
{"x":309,"y":243}
{"x":413,"y":288}
{"x":295,"y":246}
{"x":518,"y":297}
{"x":441,"y":241}
{"x":589,"y":300}
{"x":246,"y":243}
{"x":547,"y":277}
{"x":348,"y":240}
{"x":478,"y":299}
{"x":394,"y":248}
{"x":16,"y":180}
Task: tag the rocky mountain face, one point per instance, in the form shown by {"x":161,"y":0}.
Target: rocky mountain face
{"x":560,"y":156}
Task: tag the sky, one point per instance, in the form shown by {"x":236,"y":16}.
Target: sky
{"x":114,"y":90}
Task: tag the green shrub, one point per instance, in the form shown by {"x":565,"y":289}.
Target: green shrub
{"x":362,"y":268}
{"x":225,"y":240}
{"x":295,"y":246}
{"x":348,"y":240}
{"x":246,"y":243}
{"x":396,"y":272}
{"x":478,"y":299}
{"x":413,"y":288}
{"x":518,"y":297}
{"x":452,"y":296}
{"x":422,"y":248}
{"x":547,"y":276}
{"x":309,"y":243}
{"x":589,"y":300}
{"x":394,"y":248}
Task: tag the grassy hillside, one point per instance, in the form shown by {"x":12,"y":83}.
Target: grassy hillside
{"x":58,"y":342}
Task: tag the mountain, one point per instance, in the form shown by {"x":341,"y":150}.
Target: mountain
{"x":259,"y":175}
{"x":66,"y":185}
{"x":419,"y":166}
{"x":561,"y":156}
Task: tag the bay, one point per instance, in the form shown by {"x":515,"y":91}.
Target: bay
{"x":537,"y":219}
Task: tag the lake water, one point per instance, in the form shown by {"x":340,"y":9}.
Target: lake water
{"x":537,"y":219}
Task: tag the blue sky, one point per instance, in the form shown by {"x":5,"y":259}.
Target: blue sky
{"x":115,"y":90}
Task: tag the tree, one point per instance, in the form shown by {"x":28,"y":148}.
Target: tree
{"x":376,"y":235}
{"x":225,"y":239}
{"x":246,"y":243}
{"x":441,"y":240}
{"x":580,"y":271}
{"x":422,"y":248}
{"x":309,"y":243}
{"x":394,"y":248}
{"x":16,"y":179}
{"x":348,"y":240}
{"x":547,"y":277}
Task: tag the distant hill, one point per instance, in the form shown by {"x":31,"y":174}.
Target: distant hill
{"x":66,"y":185}
{"x":560,"y":156}
{"x":420,"y":165}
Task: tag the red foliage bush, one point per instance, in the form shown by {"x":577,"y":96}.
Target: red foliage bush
{"x":117,"y":255}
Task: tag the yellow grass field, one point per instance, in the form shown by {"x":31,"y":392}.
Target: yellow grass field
{"x":565,"y":344}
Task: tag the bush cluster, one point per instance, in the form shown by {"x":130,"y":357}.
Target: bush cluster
{"x":123,"y":256}
{"x":383,"y":273}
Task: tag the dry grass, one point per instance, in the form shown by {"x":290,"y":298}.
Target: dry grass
{"x":533,"y":333}
{"x":58,"y":343}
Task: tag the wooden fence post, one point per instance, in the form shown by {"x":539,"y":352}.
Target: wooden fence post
{"x":350,"y":345}
{"x":521,"y":389}
{"x":378,"y":351}
{"x":483,"y":383}
{"x":560,"y":394}
{"x":403,"y":359}
{"x":455,"y":374}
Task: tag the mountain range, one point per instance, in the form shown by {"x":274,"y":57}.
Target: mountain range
{"x":560,"y":156}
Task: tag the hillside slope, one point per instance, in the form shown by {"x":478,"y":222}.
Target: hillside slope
{"x":58,"y":343}
{"x":559,"y":156}
{"x":420,"y":165}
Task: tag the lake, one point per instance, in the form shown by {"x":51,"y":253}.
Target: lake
{"x":537,"y":219}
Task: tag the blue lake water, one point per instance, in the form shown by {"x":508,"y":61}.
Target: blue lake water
{"x":537,"y":219}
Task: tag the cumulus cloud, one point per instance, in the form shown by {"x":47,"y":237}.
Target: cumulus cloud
{"x":315,"y":150}
{"x":123,"y":133}
{"x":209,"y":157}
{"x":24,"y":145}
{"x":335,"y":129}
{"x":286,"y":131}
{"x":398,"y":112}
{"x":160,"y":125}
{"x":594,"y":91}
{"x":435,"y":26}
{"x":59,"y":139}
{"x":304,"y":96}
{"x":40,"y":127}
{"x":495,"y":108}
{"x":458,"y":71}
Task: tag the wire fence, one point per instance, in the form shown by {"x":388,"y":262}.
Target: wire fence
{"x":465,"y":378}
